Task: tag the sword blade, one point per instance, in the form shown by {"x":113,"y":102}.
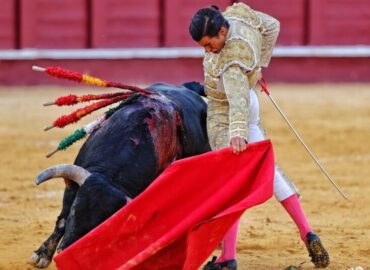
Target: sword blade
{"x":305,"y":146}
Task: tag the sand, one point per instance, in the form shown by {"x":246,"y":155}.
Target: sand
{"x":333,"y":119}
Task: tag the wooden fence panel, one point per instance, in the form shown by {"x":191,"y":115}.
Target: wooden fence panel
{"x":53,"y":24}
{"x":128,"y":23}
{"x":7,"y":24}
{"x":339,"y":22}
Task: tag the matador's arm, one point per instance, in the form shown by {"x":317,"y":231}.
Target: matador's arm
{"x":270,"y":28}
{"x":236,"y":87}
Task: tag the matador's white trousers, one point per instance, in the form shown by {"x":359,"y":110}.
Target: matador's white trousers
{"x":218,"y":128}
{"x":282,"y":187}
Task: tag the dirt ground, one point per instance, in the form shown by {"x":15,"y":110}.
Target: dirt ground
{"x":333,"y":119}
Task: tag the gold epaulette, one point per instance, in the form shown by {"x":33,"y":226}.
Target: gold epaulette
{"x":243,"y":13}
{"x":235,"y":52}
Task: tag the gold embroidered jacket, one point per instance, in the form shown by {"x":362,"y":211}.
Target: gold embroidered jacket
{"x":231,"y":73}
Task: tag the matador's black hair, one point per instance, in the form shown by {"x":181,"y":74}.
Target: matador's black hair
{"x":207,"y":22}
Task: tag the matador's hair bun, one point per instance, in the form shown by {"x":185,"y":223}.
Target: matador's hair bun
{"x":207,"y":22}
{"x":215,"y":7}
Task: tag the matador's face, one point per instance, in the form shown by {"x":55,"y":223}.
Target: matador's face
{"x":214,"y":44}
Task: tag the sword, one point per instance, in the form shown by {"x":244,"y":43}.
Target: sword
{"x":264,"y":89}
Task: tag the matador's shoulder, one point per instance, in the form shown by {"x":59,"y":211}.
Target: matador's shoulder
{"x":243,"y":13}
{"x":235,"y":52}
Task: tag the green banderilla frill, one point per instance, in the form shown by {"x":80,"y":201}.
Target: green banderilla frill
{"x":71,"y":139}
{"x":82,"y":132}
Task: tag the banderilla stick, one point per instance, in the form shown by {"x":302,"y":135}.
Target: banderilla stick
{"x":264,"y":89}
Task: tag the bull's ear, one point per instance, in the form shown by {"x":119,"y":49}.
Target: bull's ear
{"x":196,"y":87}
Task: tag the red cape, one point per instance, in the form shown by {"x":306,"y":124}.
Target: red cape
{"x":181,"y":218}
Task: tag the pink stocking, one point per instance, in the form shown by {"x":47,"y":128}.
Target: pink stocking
{"x":294,"y":208}
{"x":229,"y":244}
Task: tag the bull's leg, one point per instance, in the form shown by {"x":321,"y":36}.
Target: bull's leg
{"x":42,"y":257}
{"x":95,"y":202}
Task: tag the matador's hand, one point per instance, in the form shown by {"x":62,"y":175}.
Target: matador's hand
{"x":238,"y":144}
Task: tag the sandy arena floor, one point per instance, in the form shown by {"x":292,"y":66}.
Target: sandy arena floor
{"x":334,"y":120}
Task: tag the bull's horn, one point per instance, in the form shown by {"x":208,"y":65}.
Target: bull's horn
{"x":71,"y":172}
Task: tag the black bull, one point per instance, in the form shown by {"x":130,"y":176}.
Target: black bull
{"x":123,"y":157}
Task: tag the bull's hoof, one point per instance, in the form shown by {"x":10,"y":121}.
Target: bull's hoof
{"x":34,"y":259}
{"x":39,"y":261}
